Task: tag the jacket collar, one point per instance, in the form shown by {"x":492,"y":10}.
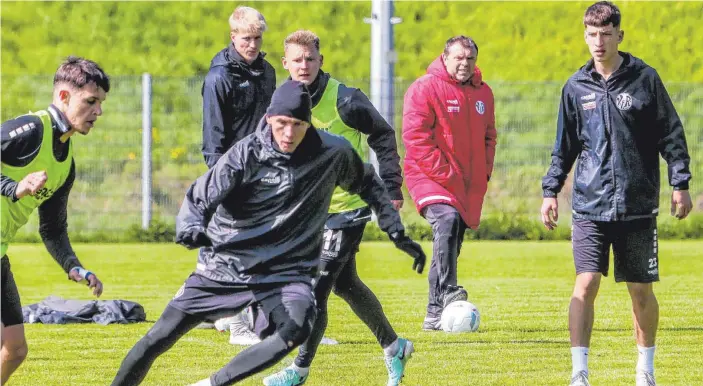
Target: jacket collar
{"x":256,"y":68}
{"x":317,"y":87}
{"x":308,"y":148}
{"x":437,"y":68}
{"x":58,"y":119}
{"x":629,"y":63}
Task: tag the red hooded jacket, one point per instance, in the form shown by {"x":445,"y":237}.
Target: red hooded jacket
{"x":450,"y":139}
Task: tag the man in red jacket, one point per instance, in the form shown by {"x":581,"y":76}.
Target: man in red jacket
{"x":450,"y":138}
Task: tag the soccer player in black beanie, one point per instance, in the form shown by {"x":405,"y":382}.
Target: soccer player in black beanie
{"x":257,"y":217}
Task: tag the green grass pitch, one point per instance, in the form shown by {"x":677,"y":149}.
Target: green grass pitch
{"x":522,"y":290}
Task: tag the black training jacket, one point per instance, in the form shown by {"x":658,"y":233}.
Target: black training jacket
{"x":235,"y":97}
{"x":617,"y":128}
{"x":264,"y":211}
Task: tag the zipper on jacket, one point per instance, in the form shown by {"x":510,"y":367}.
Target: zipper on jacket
{"x":609,"y":130}
{"x":291,"y":180}
{"x":471,"y":163}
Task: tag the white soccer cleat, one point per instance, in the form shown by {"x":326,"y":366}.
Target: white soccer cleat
{"x":204,"y":382}
{"x":645,"y":378}
{"x":205,"y":325}
{"x":223,"y":324}
{"x":580,"y":379}
{"x":329,"y":341}
{"x":241,"y":335}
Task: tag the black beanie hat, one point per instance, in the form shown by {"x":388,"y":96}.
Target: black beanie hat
{"x":291,"y":99}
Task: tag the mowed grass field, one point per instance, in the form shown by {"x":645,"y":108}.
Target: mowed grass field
{"x":522,"y":290}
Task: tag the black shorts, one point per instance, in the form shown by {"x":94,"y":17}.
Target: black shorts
{"x":11,"y":306}
{"x":211,"y":300}
{"x":634,"y":247}
{"x":339,"y":245}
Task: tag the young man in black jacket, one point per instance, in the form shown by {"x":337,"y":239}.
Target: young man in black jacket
{"x":345,"y":111}
{"x":236,"y":92}
{"x":38,"y":171}
{"x":238,"y":87}
{"x":616,"y":118}
{"x":257,"y":217}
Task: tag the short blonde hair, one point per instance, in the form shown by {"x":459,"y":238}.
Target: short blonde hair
{"x":303,"y":38}
{"x":247,"y":20}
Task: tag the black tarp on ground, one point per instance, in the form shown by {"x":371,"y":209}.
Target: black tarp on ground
{"x":56,"y":310}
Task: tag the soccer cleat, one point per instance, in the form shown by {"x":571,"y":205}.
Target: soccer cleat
{"x":205,"y":325}
{"x":328,"y":341}
{"x":431,"y":324}
{"x":285,"y":377}
{"x":580,"y":379}
{"x":645,"y":378}
{"x":455,"y":294}
{"x":223,"y":324}
{"x":396,"y":364}
{"x":240,"y":334}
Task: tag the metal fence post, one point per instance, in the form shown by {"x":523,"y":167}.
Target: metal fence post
{"x":146,"y":150}
{"x":383,"y":58}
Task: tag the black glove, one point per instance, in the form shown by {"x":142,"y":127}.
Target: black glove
{"x":405,"y":244}
{"x":193,"y":238}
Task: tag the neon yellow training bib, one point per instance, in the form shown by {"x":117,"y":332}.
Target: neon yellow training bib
{"x":326,"y":117}
{"x":14,"y":215}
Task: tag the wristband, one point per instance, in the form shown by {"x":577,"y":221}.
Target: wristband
{"x":84,"y":273}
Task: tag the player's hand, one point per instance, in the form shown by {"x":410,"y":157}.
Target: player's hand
{"x":193,"y":238}
{"x":79,"y":275}
{"x":405,"y":244}
{"x":31,"y":184}
{"x":681,"y":204}
{"x":397,"y":204}
{"x":550,"y":212}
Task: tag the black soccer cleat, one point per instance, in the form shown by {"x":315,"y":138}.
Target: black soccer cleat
{"x":455,"y":294}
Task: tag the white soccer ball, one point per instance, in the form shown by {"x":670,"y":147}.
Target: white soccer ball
{"x":460,"y":316}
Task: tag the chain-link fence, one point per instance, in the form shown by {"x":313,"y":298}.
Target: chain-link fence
{"x":107,"y":194}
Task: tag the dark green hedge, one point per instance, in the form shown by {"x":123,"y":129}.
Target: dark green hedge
{"x":517,"y":40}
{"x":494,"y":227}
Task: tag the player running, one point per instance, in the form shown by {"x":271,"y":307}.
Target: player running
{"x":347,"y":112}
{"x":38,"y":172}
{"x":257,"y":216}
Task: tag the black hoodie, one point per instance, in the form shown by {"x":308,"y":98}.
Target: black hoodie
{"x":264,"y":211}
{"x":235,"y":98}
{"x":617,"y":128}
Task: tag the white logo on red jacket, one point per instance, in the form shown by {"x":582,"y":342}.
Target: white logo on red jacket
{"x":455,"y":108}
{"x":480,"y":107}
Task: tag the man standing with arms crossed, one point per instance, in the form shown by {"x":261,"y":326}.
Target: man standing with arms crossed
{"x":616,"y":118}
{"x":38,"y":172}
{"x":347,"y":112}
{"x":450,"y":140}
